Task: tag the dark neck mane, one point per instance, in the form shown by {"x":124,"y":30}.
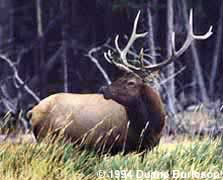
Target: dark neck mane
{"x":145,"y":108}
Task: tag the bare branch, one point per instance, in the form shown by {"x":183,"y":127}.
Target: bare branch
{"x":98,"y":65}
{"x":172,"y":76}
{"x":17,"y":77}
{"x":217,"y":51}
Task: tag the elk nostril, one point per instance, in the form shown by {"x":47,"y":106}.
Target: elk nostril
{"x":102,"y":89}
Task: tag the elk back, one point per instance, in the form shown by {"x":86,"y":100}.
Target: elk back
{"x":87,"y":116}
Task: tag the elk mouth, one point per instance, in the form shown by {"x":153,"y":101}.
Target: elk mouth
{"x":104,"y":91}
{"x":107,"y":96}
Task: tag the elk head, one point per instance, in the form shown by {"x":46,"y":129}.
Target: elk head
{"x":125,"y":89}
{"x":143,"y":103}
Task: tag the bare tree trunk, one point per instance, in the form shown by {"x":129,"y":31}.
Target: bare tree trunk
{"x":65,"y":64}
{"x":6,"y":27}
{"x":50,"y":64}
{"x":3,"y":35}
{"x":151,"y":34}
{"x":64,"y":6}
{"x":40,"y":48}
{"x":198,"y":69}
{"x":39,"y":18}
{"x":1,"y":28}
{"x":12,"y":31}
{"x":194,"y":92}
{"x":7,"y":46}
{"x":199,"y":74}
{"x":216,"y":52}
{"x":171,"y":69}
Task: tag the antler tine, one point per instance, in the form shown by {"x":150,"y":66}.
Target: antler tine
{"x":108,"y":57}
{"x":123,"y":53}
{"x":200,"y":37}
{"x":124,"y":65}
{"x":190,"y":37}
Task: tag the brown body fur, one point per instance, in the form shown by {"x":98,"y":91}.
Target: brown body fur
{"x":79,"y":114}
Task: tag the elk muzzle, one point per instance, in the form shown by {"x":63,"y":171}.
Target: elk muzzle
{"x":106,"y":92}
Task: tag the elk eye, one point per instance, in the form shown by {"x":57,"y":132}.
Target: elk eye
{"x":131,"y":83}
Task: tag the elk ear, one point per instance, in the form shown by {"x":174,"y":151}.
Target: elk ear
{"x":127,"y":73}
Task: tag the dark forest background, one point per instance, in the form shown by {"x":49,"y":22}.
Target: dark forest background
{"x":57,"y":46}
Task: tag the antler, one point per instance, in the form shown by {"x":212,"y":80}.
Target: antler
{"x":124,"y":65}
{"x":123,"y":53}
{"x":190,"y":38}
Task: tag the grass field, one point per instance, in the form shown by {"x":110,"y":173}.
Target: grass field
{"x":192,"y":158}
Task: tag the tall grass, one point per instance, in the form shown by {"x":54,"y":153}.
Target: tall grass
{"x":63,"y":161}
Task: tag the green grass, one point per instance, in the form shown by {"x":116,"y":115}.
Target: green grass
{"x":60,"y":161}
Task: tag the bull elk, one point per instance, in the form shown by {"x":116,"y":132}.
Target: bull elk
{"x":128,"y":115}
